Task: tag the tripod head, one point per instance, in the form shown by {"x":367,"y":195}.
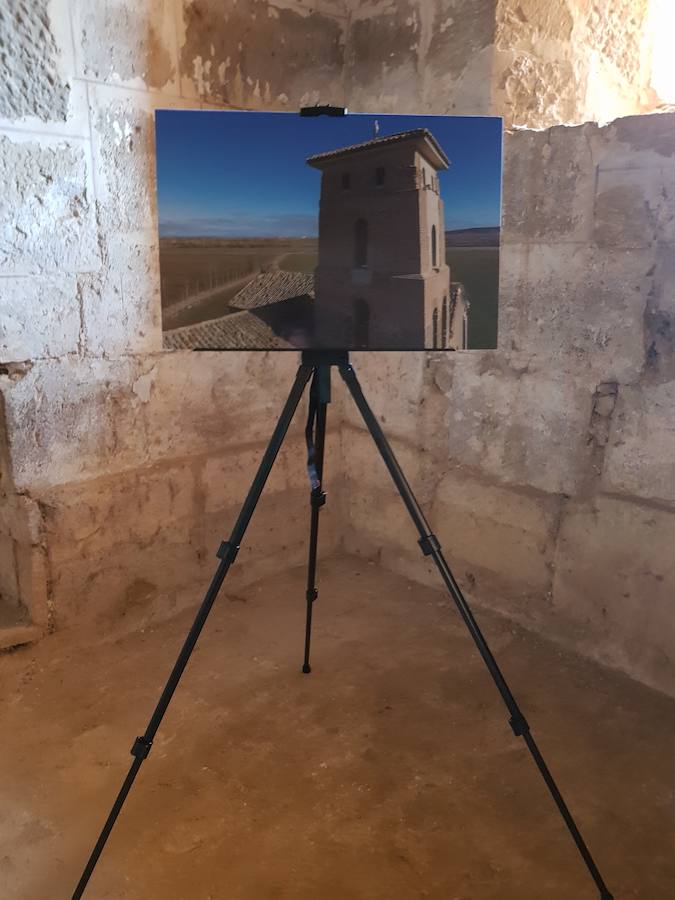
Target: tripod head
{"x":315,"y":358}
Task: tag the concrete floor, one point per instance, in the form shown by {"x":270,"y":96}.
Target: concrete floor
{"x":390,"y":772}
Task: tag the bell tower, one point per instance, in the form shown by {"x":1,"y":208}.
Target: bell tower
{"x":382,"y":280}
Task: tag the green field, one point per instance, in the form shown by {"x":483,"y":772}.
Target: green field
{"x":478,"y":270}
{"x":299,"y":262}
{"x":199,"y":276}
{"x":212,"y":271}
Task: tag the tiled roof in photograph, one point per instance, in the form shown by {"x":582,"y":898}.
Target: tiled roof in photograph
{"x":415,"y":134}
{"x":273,"y":287}
{"x":238,"y":331}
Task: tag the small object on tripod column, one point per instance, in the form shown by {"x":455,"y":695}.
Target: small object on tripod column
{"x":315,"y":436}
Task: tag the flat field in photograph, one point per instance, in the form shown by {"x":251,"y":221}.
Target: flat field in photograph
{"x":478,"y":270}
{"x":199,"y":276}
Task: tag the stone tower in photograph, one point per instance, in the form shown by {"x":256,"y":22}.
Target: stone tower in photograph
{"x":382,"y":280}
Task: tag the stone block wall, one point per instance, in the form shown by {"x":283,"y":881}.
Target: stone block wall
{"x":571,"y":60}
{"x":122,"y":465}
{"x":548,"y":465}
{"x":545,"y":466}
{"x":535,"y":62}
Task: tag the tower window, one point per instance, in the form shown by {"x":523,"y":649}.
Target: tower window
{"x":444,"y":323}
{"x":346,"y":181}
{"x":361,"y":323}
{"x":360,"y":243}
{"x":380,"y":176}
{"x":434,"y":254}
{"x":434,"y":329}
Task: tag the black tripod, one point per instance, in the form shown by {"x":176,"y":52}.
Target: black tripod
{"x":318,"y":364}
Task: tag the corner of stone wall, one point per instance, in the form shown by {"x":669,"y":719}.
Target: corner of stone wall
{"x":24,"y":595}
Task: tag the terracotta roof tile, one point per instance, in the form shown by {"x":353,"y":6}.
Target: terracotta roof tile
{"x":273,"y":287}
{"x":413,"y":134}
{"x":238,"y":331}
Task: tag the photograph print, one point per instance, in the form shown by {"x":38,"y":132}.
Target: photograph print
{"x":362,"y":232}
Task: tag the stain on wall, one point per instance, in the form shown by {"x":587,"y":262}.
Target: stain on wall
{"x":459,"y":30}
{"x":257,"y":54}
{"x":137,"y":41}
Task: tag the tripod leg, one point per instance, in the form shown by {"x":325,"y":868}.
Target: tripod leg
{"x":321,"y":386}
{"x":430,"y":547}
{"x":226,"y":553}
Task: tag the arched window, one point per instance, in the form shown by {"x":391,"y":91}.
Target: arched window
{"x":361,"y":324}
{"x":434,"y":254}
{"x":444,"y":323}
{"x":360,"y":243}
{"x":434,"y":329}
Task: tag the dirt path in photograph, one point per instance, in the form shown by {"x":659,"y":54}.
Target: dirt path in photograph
{"x":176,"y":309}
{"x":174,"y":314}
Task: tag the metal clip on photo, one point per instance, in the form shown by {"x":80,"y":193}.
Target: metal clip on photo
{"x":309,"y":111}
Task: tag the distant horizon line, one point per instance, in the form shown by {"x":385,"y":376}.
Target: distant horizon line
{"x":303,"y":237}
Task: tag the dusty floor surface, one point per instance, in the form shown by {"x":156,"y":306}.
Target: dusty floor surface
{"x":389,"y":772}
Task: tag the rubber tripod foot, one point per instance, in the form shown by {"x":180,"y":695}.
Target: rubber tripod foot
{"x":306,"y":668}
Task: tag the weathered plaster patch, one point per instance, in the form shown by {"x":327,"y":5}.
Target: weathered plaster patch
{"x":31,"y":84}
{"x":659,"y":318}
{"x":269,"y":67}
{"x":15,"y":371}
{"x":525,"y":22}
{"x":382,"y":42}
{"x":549,"y":182}
{"x":647,"y":133}
{"x":614,"y":31}
{"x":38,"y":317}
{"x":124,"y":156}
{"x":539,"y":93}
{"x":136,"y":43}
{"x":143,"y":385}
{"x":459,"y":30}
{"x":46,"y":216}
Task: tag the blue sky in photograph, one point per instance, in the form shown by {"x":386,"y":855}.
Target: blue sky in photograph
{"x":243,"y":174}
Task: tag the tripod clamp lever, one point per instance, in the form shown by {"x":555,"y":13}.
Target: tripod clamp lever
{"x":429,"y":544}
{"x":518,"y":724}
{"x":318,"y":498}
{"x":227,"y":552}
{"x":141,"y":748}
